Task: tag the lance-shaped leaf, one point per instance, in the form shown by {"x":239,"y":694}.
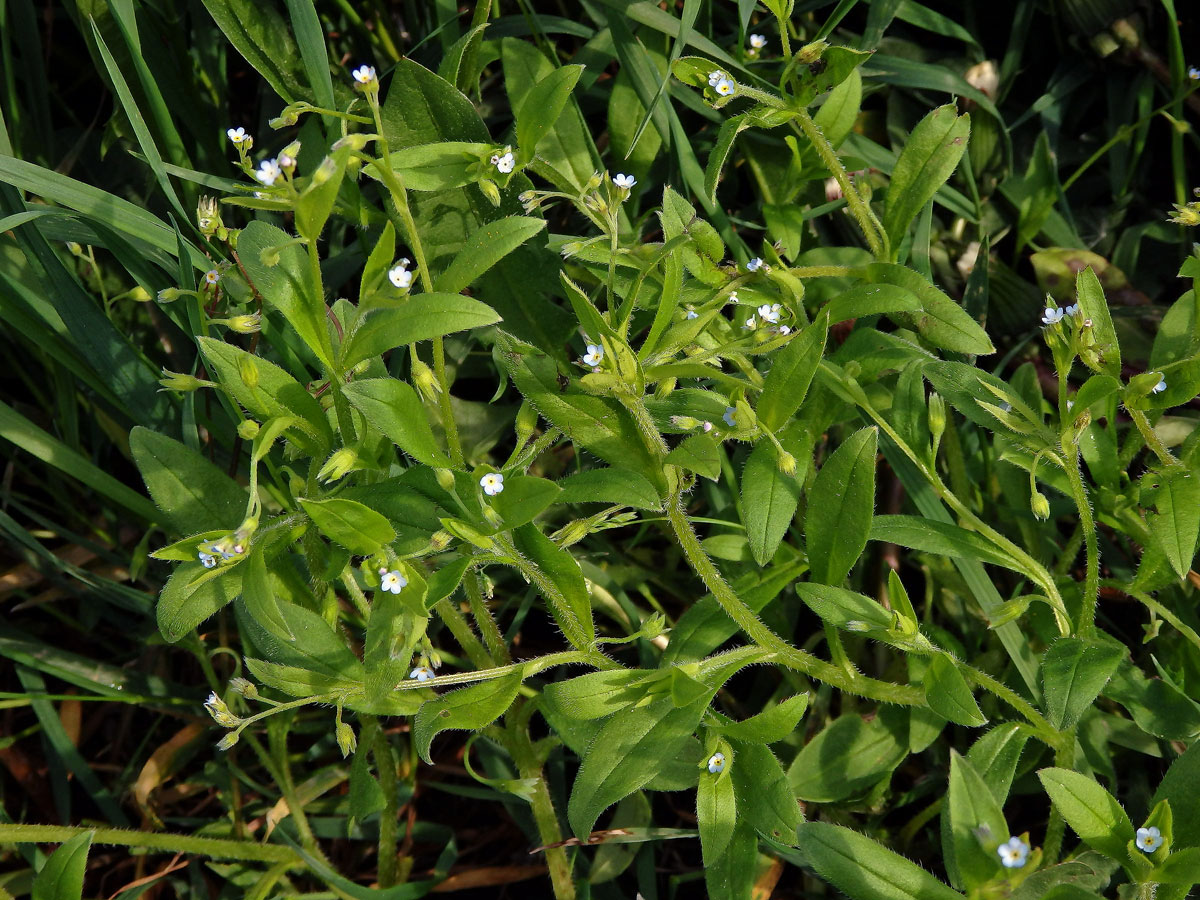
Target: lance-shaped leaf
{"x":1092,"y":812}
{"x":840,"y":507}
{"x":394,"y":408}
{"x":930,"y":155}
{"x":418,"y":318}
{"x":865,"y":870}
{"x":356,"y":527}
{"x":1074,"y":672}
{"x":466,"y":709}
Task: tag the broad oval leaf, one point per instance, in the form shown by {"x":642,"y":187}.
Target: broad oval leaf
{"x":716,"y":812}
{"x":195,"y":494}
{"x":61,"y":877}
{"x":610,"y":485}
{"x":349,"y":523}
{"x":466,"y":709}
{"x":484,"y":248}
{"x":846,"y":758}
{"x":418,"y":318}
{"x":949,"y":695}
{"x":791,"y":373}
{"x":1074,"y":671}
{"x":770,"y":725}
{"x":769,"y":501}
{"x":189,"y":597}
{"x":970,"y":806}
{"x":1091,"y":811}
{"x":394,"y":407}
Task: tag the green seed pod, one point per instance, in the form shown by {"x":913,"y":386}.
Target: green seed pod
{"x":248,"y":429}
{"x":1040,"y":506}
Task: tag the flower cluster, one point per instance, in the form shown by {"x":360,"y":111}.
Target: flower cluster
{"x":1053,"y":315}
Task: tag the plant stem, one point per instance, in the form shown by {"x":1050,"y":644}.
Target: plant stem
{"x":485,"y":621}
{"x":1091,"y":587}
{"x":213,"y":848}
{"x":385,"y":762}
{"x":541,"y":804}
{"x":871,"y":229}
{"x":756,"y":630}
{"x":1150,"y":436}
{"x":461,"y":630}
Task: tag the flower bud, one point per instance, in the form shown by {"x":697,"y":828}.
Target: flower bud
{"x":220,"y":712}
{"x":248,"y":429}
{"x":810,"y":53}
{"x":228,"y":741}
{"x":139,"y":294}
{"x":786,"y":463}
{"x":346,"y":740}
{"x":937,"y":417}
{"x":440,"y":541}
{"x":248,"y":371}
{"x":425,"y":381}
{"x":1040,"y":506}
{"x":74,"y":248}
{"x":247,"y":324}
{"x":180,"y":381}
{"x":445,"y":479}
{"x":573,"y":532}
{"x":355,"y":141}
{"x":492,"y":516}
{"x":244,"y":687}
{"x":527,"y":419}
{"x":685,"y":423}
{"x":208,"y":216}
{"x":339,"y":464}
{"x":169,"y":295}
{"x":324,"y":172}
{"x":654,"y":626}
{"x":489,"y":189}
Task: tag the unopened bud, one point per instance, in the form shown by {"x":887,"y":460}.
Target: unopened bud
{"x":339,"y":464}
{"x":573,"y":532}
{"x":181,"y":381}
{"x":786,"y":463}
{"x":440,"y":541}
{"x":445,"y":479}
{"x":685,"y":423}
{"x":492,"y":516}
{"x":248,"y":429}
{"x":489,"y":189}
{"x":247,"y":324}
{"x":937,"y":416}
{"x":354,"y":141}
{"x":244,"y":687}
{"x":74,"y":248}
{"x":1040,"y":506}
{"x":654,"y":626}
{"x":221,"y":713}
{"x":139,"y":294}
{"x":425,"y":381}
{"x":527,"y":419}
{"x":248,"y":371}
{"x":325,"y":171}
{"x":810,"y":53}
{"x":228,"y":741}
{"x":346,"y":740}
{"x":169,"y":295}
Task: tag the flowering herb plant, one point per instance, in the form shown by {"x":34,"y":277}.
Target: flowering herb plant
{"x":529,"y":443}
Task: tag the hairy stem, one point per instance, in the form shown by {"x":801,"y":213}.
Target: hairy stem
{"x":1091,"y":587}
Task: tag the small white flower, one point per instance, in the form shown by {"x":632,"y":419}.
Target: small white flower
{"x":1149,"y":839}
{"x":504,"y":163}
{"x":393,"y":582}
{"x":783,"y":329}
{"x":268,"y":172}
{"x":716,"y":763}
{"x":1052,"y":316}
{"x":755,"y":264}
{"x":1160,"y":387}
{"x":692,"y":314}
{"x":725,"y":87}
{"x":624,"y":181}
{"x":769,"y":313}
{"x":1013,"y":853}
{"x":492,"y":483}
{"x":400,"y":276}
{"x":207,"y":560}
{"x":286,"y":162}
{"x":237,"y":135}
{"x":757,"y":41}
{"x":714,"y":77}
{"x":833,"y":190}
{"x":364,"y":74}
{"x":1071,"y":310}
{"x":751,"y":323}
{"x":728,"y":418}
{"x":1194,"y":73}
{"x":211,"y":277}
{"x":421,"y":673}
{"x":706,"y":425}
{"x":594,"y":354}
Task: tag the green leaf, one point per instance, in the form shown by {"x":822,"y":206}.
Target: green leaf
{"x":1175,"y":494}
{"x":871,"y":300}
{"x":970,"y":806}
{"x":840,"y":507}
{"x":195,"y":494}
{"x":315,"y":648}
{"x":698,"y":453}
{"x":484,"y":248}
{"x":275,"y":393}
{"x":1180,"y":787}
{"x":597,"y":694}
{"x":769,"y":501}
{"x":771,"y":725}
{"x":541,"y":106}
{"x":421,"y":108}
{"x":716,"y":812}
{"x":188,"y":598}
{"x":964,"y":387}
{"x":847,"y":610}
{"x":995,"y":757}
{"x":287,"y":286}
{"x":949,"y":695}
{"x":730,"y":129}
{"x":418,"y":318}
{"x":299,"y":682}
{"x":316,"y":200}
{"x":1105,"y":355}
{"x":610,"y":485}
{"x":395,"y":408}
{"x":311,"y":38}
{"x":1074,"y":671}
{"x":863,"y":869}
{"x":261,"y":36}
{"x":435,"y":167}
{"x":845,"y":759}
{"x":1157,"y":707}
{"x":1181,"y":867}
{"x":1091,"y":811}
{"x":524,"y":498}
{"x":930,"y":155}
{"x":732,"y":874}
{"x":356,"y":527}
{"x":791,"y":373}
{"x":61,"y":877}
{"x":562,"y":584}
{"x":941,"y":321}
{"x":764,"y":798}
{"x":942,"y":538}
{"x":629,"y":750}
{"x":466,"y":709}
